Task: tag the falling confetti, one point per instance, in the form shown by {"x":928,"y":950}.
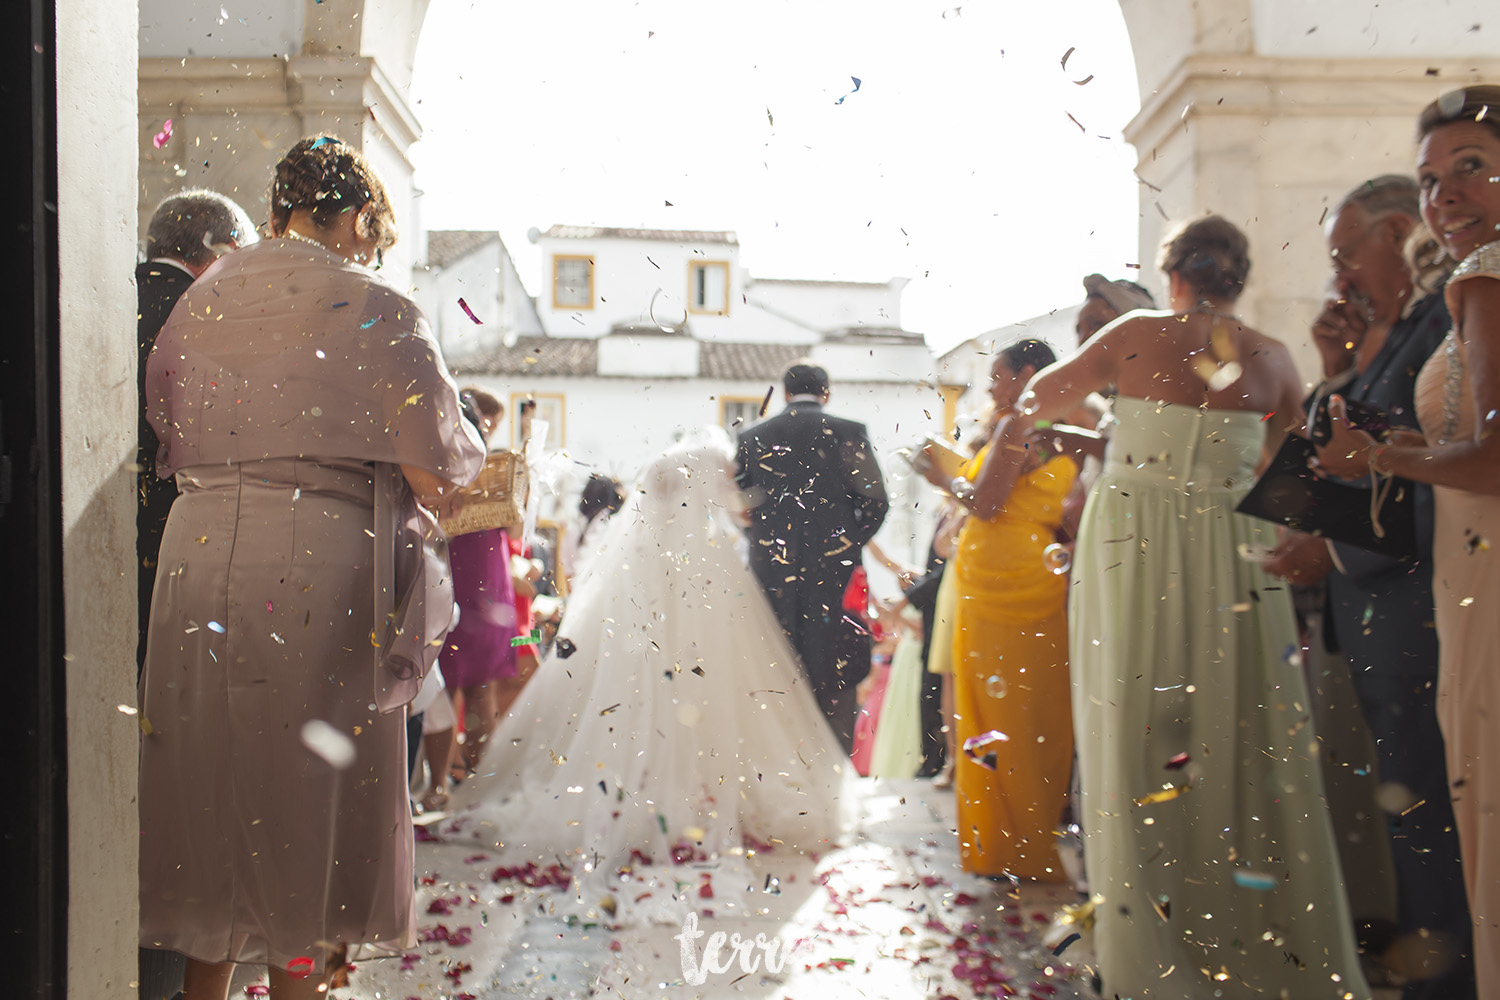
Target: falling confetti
{"x":300,"y":968}
{"x":163,"y":137}
{"x":216,"y":627}
{"x":1259,"y":881}
{"x":984,"y":748}
{"x":327,"y":742}
{"x":765,"y":404}
{"x":371,"y":322}
{"x":565,"y":648}
{"x":852,"y":92}
{"x":1177,"y":761}
{"x":1057,"y":559}
{"x":1165,"y":795}
{"x":469,"y":312}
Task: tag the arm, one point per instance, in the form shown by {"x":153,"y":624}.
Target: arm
{"x":432,"y":490}
{"x":1473,"y":464}
{"x":1050,"y":395}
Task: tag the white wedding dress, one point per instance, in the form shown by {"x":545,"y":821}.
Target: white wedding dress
{"x":671,"y":719}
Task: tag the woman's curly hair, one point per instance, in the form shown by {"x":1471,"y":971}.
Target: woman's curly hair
{"x":326,"y":177}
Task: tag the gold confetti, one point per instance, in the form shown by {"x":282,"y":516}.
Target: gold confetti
{"x":1164,"y":795}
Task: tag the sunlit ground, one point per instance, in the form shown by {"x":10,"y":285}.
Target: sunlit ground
{"x":888,"y":915}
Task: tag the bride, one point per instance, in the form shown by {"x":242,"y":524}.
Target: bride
{"x":671,"y":723}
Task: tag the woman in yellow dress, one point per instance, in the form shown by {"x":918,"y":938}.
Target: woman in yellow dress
{"x":1010,"y":651}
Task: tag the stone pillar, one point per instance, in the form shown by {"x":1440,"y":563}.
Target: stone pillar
{"x":96,"y":185}
{"x":1271,"y":142}
{"x":233,"y":116}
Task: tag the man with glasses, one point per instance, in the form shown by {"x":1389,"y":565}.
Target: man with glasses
{"x":1374,"y":333}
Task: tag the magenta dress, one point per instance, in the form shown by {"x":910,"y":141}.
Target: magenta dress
{"x":479,"y":650}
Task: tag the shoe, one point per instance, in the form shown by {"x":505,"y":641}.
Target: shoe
{"x":944,"y":778}
{"x":436,"y":800}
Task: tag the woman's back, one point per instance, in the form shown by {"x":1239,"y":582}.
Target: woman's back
{"x":1201,"y":359}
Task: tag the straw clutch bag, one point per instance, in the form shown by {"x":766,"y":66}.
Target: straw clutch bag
{"x":497,"y":499}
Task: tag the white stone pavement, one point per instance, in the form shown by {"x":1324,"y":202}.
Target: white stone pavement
{"x":889,"y":916}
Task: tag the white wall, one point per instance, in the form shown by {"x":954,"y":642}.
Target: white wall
{"x":195,"y":28}
{"x":96,"y":179}
{"x":829,"y":305}
{"x":1357,"y":29}
{"x":475,"y":278}
{"x":614,"y":426}
{"x":626,"y":274}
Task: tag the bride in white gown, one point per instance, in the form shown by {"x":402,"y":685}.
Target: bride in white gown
{"x":671,"y":723}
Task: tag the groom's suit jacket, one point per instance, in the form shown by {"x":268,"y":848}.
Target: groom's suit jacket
{"x":817,"y":497}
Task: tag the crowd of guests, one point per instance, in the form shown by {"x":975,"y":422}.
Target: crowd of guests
{"x":1219,"y":702}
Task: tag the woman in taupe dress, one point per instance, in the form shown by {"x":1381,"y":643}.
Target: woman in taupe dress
{"x":305,"y":409}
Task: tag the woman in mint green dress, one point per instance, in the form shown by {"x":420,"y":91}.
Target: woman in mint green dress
{"x":1206,"y":832}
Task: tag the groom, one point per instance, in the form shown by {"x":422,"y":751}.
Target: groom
{"x":817,"y":497}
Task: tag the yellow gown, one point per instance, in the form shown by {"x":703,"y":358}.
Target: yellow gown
{"x":1010,"y":673}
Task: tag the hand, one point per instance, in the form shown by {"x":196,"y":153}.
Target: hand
{"x":1301,"y":559}
{"x":1347,"y":453}
{"x":1337,"y":333}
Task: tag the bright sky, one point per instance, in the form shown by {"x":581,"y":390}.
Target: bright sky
{"x":955,"y":164}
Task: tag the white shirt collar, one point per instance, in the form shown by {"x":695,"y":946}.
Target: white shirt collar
{"x":175,"y":263}
{"x":805,"y":397}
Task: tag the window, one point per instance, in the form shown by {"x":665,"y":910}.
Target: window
{"x":738,"y":412}
{"x":708,"y":287}
{"x":572,"y":282}
{"x":528,"y":410}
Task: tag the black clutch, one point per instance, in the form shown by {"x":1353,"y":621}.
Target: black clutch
{"x":1289,"y":493}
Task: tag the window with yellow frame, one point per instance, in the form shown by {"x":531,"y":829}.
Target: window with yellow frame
{"x":708,"y":287}
{"x":572,"y":282}
{"x":738,"y":412}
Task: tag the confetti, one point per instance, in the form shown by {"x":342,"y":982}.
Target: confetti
{"x":163,"y":137}
{"x":327,"y":742}
{"x":1259,"y":881}
{"x":983,"y":749}
{"x":368,"y":323}
{"x":322,"y":140}
{"x":300,"y":968}
{"x":1177,"y":761}
{"x":1057,"y":559}
{"x":852,"y":92}
{"x":1164,"y":795}
{"x":469,"y":312}
{"x":765,"y":404}
{"x":565,"y":648}
{"x":216,"y":627}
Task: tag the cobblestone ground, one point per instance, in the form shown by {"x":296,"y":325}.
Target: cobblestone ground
{"x":890,"y":915}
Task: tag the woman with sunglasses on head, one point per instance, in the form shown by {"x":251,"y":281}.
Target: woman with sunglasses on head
{"x":1458,"y":452}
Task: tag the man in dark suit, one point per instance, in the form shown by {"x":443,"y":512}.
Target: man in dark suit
{"x":1380,"y":608}
{"x":187,"y":232}
{"x":817,"y":497}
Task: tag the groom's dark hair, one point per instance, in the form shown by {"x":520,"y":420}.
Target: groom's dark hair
{"x":802,"y":378}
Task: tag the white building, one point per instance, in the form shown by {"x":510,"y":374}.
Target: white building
{"x":965,"y":368}
{"x":639,"y":335}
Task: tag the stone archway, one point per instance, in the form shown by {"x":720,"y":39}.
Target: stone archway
{"x":1268,"y":111}
{"x":236,"y":104}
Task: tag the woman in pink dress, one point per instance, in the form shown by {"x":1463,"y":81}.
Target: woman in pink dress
{"x":305,"y":409}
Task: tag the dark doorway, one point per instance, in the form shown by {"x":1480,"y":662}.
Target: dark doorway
{"x":34,"y":887}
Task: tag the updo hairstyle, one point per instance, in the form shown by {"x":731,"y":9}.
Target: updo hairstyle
{"x":322,"y":175}
{"x":1211,"y":254}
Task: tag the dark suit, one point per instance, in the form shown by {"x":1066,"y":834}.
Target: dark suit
{"x":158,"y":287}
{"x":1380,"y":611}
{"x":817,"y":497}
{"x":922,"y":595}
